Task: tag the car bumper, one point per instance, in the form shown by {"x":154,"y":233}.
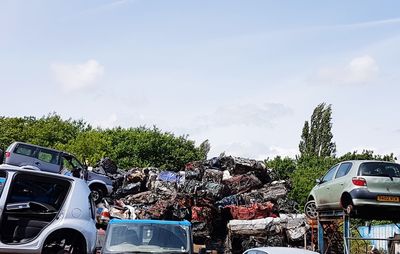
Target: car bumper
{"x":363,"y":197}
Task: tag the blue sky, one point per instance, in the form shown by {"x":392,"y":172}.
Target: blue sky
{"x":243,"y":74}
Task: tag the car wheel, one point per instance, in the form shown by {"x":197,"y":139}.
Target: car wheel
{"x":97,"y":194}
{"x":347,"y":204}
{"x":310,"y":209}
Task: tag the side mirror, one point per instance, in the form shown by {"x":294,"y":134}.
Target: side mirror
{"x":318,"y":181}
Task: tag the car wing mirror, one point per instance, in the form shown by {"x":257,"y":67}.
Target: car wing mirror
{"x":318,"y":181}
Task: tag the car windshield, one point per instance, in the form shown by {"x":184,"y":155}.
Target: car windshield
{"x":147,"y":238}
{"x":384,"y":169}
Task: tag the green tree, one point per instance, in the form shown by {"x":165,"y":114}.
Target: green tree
{"x":367,"y":155}
{"x":52,"y":130}
{"x":308,"y":169}
{"x":141,"y":147}
{"x":132,"y":147}
{"x":13,"y":129}
{"x":316,"y":138}
{"x":204,"y":149}
{"x":49,"y":131}
{"x":282,"y":167}
{"x":89,"y":146}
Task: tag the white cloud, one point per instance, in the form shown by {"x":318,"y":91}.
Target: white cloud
{"x":359,"y":70}
{"x":77,"y":76}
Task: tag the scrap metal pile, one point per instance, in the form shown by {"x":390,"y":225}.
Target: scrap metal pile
{"x":232,"y":201}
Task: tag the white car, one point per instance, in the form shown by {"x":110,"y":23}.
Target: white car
{"x":363,"y":188}
{"x":43,"y":212}
{"x":278,"y":250}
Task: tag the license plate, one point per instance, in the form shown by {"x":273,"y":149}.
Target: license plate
{"x":388,"y":199}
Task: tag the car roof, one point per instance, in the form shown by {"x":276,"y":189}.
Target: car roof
{"x":33,"y":171}
{"x":282,"y":250}
{"x":362,"y":161}
{"x":28,"y":144}
{"x":163,"y":222}
{"x":47,"y":148}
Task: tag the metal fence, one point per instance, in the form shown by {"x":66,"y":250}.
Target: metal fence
{"x":374,"y":233}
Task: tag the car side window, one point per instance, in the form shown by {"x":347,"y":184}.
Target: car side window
{"x":76,"y":163}
{"x":25,"y":150}
{"x":48,"y":156}
{"x":329,"y":176}
{"x":344,"y":168}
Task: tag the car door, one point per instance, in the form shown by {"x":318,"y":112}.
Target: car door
{"x":339,"y":183}
{"x":47,"y":160}
{"x":323,"y":192}
{"x":32,"y":203}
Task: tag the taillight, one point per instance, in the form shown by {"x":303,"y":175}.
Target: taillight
{"x":359,"y":181}
{"x":105,"y":215}
{"x":7,"y":154}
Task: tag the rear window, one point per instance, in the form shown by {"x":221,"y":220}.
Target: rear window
{"x":25,"y":150}
{"x":384,"y":169}
{"x":43,"y":189}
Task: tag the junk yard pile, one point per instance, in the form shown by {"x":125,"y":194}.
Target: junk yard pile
{"x":233,"y":203}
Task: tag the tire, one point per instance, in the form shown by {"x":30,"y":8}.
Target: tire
{"x":310,"y":209}
{"x":97,"y":193}
{"x":347,"y":205}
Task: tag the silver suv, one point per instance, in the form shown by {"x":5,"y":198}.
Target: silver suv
{"x":45,"y":213}
{"x":363,"y":188}
{"x":51,"y":160}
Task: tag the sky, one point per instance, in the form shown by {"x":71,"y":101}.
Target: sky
{"x":243,"y":74}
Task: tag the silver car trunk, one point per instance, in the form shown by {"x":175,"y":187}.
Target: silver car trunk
{"x":383,"y":177}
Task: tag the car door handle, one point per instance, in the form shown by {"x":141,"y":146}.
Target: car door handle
{"x":37,"y":163}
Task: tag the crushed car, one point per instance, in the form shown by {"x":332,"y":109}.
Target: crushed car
{"x":42,"y":214}
{"x":211,"y":194}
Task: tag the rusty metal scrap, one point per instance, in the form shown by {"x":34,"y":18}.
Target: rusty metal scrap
{"x":212,"y":194}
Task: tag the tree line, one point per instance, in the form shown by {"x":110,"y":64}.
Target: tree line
{"x":128,"y":147}
{"x":144,"y":146}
